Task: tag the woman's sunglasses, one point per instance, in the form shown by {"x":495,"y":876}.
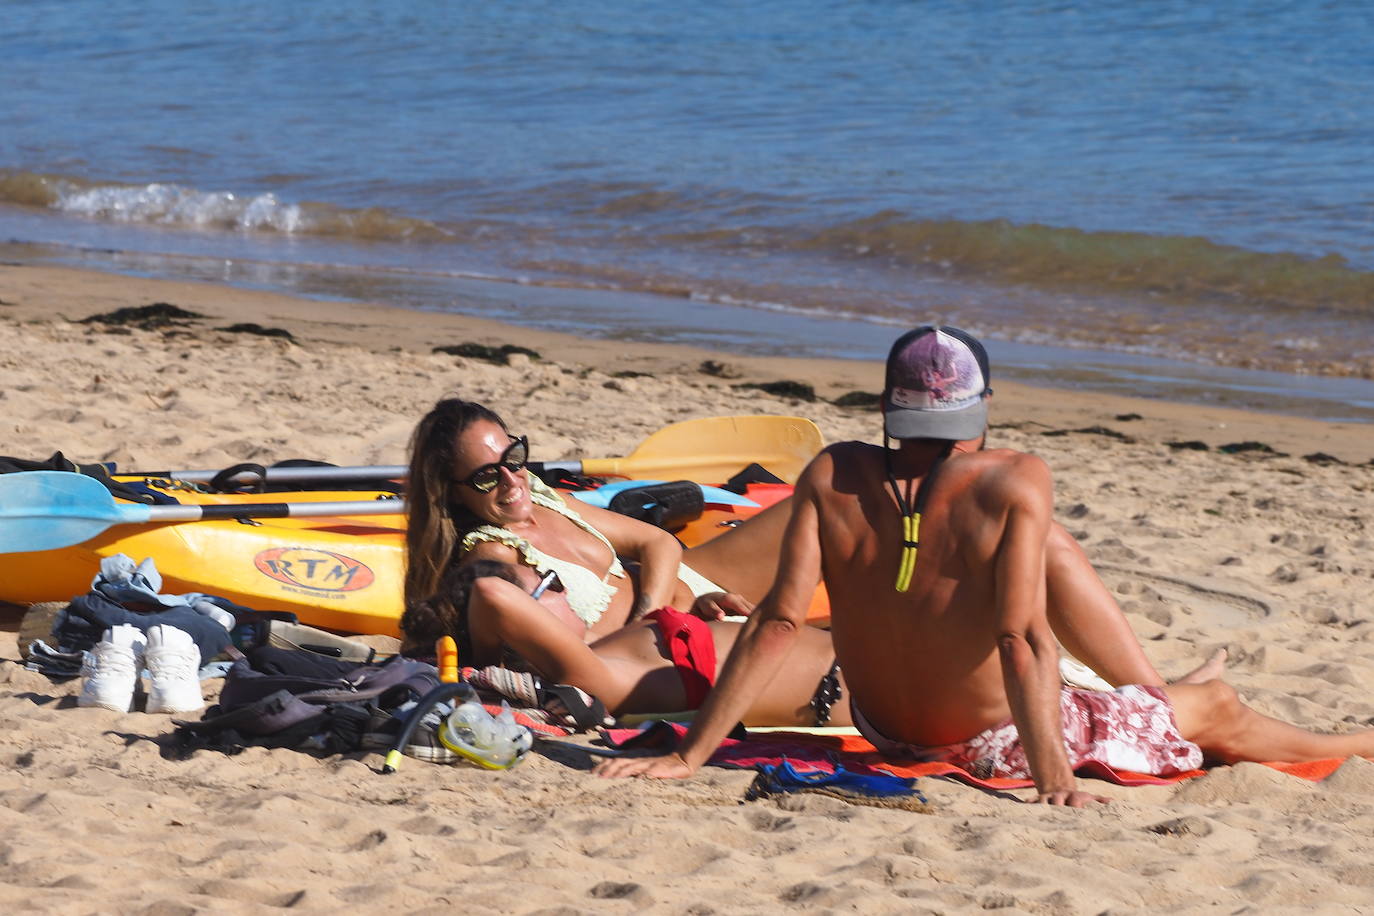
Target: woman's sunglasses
{"x":549,"y":582}
{"x":513,"y":459}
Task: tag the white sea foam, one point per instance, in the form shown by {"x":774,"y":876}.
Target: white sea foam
{"x":169,"y":204}
{"x":805,"y":311}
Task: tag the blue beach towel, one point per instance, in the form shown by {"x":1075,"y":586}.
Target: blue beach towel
{"x":784,"y":777}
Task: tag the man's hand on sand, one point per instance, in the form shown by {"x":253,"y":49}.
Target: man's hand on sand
{"x":1071,"y":799}
{"x":717,"y":605}
{"x":670,"y":766}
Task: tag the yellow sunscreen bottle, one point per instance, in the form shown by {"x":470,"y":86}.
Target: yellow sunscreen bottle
{"x":446,"y":655}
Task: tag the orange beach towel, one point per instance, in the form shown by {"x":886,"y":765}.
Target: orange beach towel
{"x":824,"y":752}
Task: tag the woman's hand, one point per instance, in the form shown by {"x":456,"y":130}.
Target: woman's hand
{"x":719,"y":605}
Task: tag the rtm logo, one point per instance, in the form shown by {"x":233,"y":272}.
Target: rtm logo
{"x":316,"y":569}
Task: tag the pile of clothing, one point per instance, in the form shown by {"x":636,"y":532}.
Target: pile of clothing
{"x":124,"y":632}
{"x":124,"y":625}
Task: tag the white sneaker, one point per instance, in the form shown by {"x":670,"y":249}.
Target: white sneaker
{"x":173,"y":671}
{"x":109,"y":672}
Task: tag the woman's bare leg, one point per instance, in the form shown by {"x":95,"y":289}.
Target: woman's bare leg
{"x":787,"y":698}
{"x":1212,"y":716}
{"x":744,"y":559}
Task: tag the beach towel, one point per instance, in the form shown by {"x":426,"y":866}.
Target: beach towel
{"x":531,"y":701}
{"x":823,"y":753}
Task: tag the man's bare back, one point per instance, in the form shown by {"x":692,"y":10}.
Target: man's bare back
{"x":922,"y":665}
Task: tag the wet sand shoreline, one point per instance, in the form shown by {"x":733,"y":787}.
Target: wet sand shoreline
{"x":1139,"y":349}
{"x":36,"y":293}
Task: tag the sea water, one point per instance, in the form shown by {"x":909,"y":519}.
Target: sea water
{"x":1169,"y":198}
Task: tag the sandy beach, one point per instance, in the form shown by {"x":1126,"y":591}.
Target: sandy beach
{"x":1215,"y":528}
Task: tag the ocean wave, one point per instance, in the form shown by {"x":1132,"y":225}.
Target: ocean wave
{"x":175,"y":205}
{"x":1183,"y":267}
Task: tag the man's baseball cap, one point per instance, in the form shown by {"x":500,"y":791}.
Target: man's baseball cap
{"x":937,"y":385}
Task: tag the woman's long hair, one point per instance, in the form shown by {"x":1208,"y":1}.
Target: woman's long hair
{"x":445,"y":613}
{"x":435,"y":519}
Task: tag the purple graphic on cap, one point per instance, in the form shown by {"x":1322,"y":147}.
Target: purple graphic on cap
{"x":939,"y":367}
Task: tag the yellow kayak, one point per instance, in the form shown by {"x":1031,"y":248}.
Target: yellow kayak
{"x":342,"y":573}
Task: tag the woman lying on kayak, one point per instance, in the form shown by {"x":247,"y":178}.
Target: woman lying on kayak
{"x":471,"y":497}
{"x":667,"y":662}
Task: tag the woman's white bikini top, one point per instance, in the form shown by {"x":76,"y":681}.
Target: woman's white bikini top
{"x":588,"y":594}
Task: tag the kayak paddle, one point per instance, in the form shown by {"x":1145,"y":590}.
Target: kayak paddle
{"x":714,"y":449}
{"x":706,"y":450}
{"x":44,"y":510}
{"x":601,"y":496}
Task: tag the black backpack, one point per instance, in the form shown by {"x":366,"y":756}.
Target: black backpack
{"x":302,"y":701}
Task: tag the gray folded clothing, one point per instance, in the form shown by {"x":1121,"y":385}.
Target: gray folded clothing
{"x":55,"y":663}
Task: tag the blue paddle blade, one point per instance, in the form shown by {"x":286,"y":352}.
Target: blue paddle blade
{"x":44,"y":510}
{"x":601,"y":496}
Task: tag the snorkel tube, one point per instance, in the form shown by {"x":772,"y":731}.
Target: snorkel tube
{"x":423,"y":708}
{"x":470,"y":732}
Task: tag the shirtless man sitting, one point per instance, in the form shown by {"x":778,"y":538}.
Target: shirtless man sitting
{"x":934,"y":557}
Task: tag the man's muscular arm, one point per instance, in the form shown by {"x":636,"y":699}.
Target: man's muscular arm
{"x":1028,"y":651}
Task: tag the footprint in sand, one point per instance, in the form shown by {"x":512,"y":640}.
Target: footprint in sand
{"x":1225,"y":607}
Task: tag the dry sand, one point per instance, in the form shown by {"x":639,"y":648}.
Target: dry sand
{"x":1267,"y":555}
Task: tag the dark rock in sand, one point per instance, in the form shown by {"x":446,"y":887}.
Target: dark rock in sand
{"x":1236,"y":448}
{"x":1322,"y":458}
{"x":1105,"y":431}
{"x":146,"y":317}
{"x":498,"y":355}
{"x":249,"y":327}
{"x":1192,"y":445}
{"x":719,"y":369}
{"x":858,"y":399}
{"x":1091,"y":431}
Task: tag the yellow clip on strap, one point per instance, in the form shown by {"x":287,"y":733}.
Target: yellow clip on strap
{"x":911,"y":518}
{"x":911,"y":532}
